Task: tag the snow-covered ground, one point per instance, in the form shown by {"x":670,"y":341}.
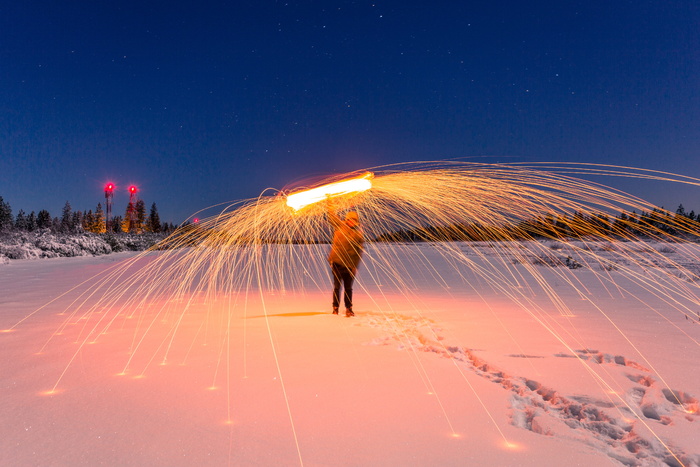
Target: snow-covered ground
{"x":448,"y":371}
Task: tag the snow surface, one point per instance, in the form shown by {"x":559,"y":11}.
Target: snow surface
{"x":449,"y":372}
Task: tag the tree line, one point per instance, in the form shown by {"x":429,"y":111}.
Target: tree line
{"x":625,"y":225}
{"x":657,"y":223}
{"x":135,"y":220}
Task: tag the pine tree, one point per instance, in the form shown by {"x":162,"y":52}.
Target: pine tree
{"x":117,"y":224}
{"x":89,"y":221}
{"x":77,"y":220}
{"x":140,"y":216}
{"x":6,"y":219}
{"x":31,"y":222}
{"x":21,"y":221}
{"x":43,"y":219}
{"x":99,"y":225}
{"x":562,"y":226}
{"x":154,"y":219}
{"x":67,"y":218}
{"x":601,"y":223}
{"x":127,"y":223}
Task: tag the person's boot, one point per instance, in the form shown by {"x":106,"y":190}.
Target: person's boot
{"x":335,"y":310}
{"x":349,"y":312}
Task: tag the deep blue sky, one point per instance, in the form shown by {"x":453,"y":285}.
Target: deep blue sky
{"x":204,"y":102}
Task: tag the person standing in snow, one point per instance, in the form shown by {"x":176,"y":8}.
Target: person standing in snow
{"x":345,"y":255}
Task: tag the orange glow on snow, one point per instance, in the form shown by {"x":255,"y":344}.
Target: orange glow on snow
{"x":305,"y":198}
{"x":512,"y":446}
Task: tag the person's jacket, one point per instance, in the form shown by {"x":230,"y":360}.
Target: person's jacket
{"x":346,"y":249}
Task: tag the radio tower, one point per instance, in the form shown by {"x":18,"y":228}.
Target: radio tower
{"x":109,"y":195}
{"x":131,"y":210}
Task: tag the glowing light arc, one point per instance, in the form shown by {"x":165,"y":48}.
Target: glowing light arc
{"x":301,"y":199}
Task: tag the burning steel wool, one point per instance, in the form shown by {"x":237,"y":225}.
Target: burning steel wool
{"x":302,"y":199}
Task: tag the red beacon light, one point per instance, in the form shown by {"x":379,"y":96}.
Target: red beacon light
{"x":109,"y":187}
{"x":132,"y":189}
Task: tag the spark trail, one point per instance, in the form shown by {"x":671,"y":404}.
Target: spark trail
{"x":278,"y":243}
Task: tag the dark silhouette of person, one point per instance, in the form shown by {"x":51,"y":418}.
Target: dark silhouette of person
{"x":345,"y":255}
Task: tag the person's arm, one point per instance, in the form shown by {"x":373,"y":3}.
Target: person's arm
{"x":332,"y":215}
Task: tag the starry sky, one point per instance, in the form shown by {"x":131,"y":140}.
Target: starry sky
{"x":199,"y":103}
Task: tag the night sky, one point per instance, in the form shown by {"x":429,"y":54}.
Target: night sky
{"x":199,"y":103}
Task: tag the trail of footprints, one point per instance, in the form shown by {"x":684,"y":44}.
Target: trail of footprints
{"x":610,"y":424}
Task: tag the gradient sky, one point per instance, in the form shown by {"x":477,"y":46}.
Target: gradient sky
{"x":205,"y":102}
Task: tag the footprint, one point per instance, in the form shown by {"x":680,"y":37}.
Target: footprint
{"x":644,"y":380}
{"x":636,"y":396}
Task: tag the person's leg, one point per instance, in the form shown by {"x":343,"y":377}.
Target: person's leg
{"x":336,"y":273}
{"x":348,"y":279}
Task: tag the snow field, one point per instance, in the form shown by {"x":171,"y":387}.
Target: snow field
{"x":449,"y":373}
